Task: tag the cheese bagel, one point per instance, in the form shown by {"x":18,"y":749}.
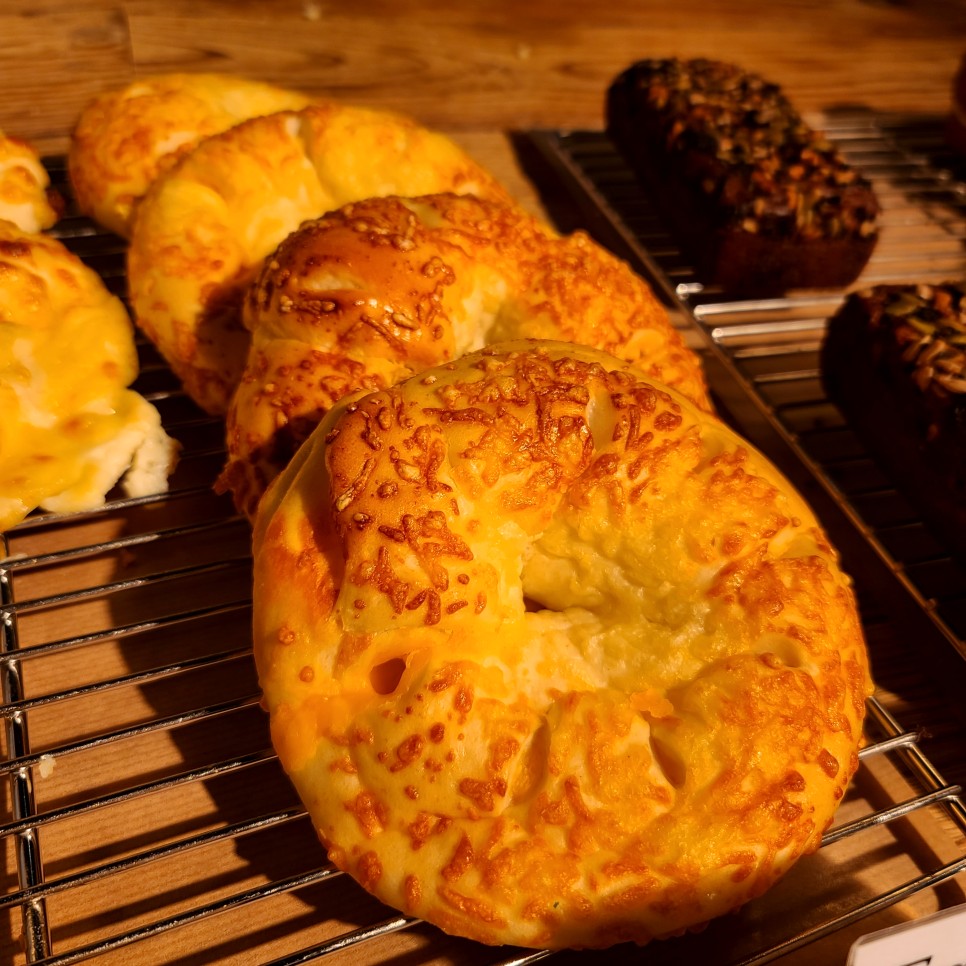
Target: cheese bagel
{"x":382,"y":288}
{"x":552,"y":656}
{"x":125,"y":137}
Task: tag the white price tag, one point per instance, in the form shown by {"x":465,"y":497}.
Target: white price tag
{"x":936,"y":940}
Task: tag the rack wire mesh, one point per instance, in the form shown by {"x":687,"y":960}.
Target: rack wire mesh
{"x":146,"y":818}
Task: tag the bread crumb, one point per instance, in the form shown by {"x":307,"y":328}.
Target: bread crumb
{"x":46,"y":766}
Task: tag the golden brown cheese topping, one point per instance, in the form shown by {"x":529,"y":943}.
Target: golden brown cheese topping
{"x":551,"y":655}
{"x":207,"y":224}
{"x":125,"y":138}
{"x":26,"y":198}
{"x":382,"y":288}
{"x":70,"y":428}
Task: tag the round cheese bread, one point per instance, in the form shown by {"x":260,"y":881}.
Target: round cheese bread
{"x":70,"y":426}
{"x":552,"y":656}
{"x":124,"y":138}
{"x":382,"y":288}
{"x":206,"y":225}
{"x":26,"y":197}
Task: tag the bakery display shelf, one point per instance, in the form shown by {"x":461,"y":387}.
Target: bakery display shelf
{"x":763,"y":355}
{"x":146,"y":819}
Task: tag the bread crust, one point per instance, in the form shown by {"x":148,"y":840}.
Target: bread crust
{"x":71,"y":427}
{"x":894,"y":361}
{"x":206,"y":225}
{"x":26,"y":197}
{"x":382,"y":288}
{"x":125,"y":138}
{"x":552,"y":656}
{"x":760,"y":202}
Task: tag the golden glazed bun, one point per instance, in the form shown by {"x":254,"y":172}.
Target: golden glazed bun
{"x":70,"y":427}
{"x":124,"y":138}
{"x":206,"y":225}
{"x":386,"y":287}
{"x":551,"y":655}
{"x":26,"y":198}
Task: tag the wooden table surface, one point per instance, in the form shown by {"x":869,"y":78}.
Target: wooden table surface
{"x":473,"y":65}
{"x":476,"y":70}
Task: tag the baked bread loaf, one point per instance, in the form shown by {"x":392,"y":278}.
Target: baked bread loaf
{"x":124,"y":138}
{"x":760,"y":201}
{"x":71,"y":427}
{"x":894,"y":361}
{"x":206,"y":225}
{"x":26,"y":197}
{"x":382,"y":288}
{"x":551,"y":655}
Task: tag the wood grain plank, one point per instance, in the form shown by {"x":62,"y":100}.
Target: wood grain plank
{"x":55,"y":57}
{"x":490,"y":66}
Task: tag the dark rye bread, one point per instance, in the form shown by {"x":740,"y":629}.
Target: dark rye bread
{"x":894,"y":361}
{"x":759,"y":200}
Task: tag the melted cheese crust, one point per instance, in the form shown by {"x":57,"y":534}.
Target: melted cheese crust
{"x":382,"y":288}
{"x":552,"y":656}
{"x":70,"y":427}
{"x":205,"y":226}
{"x":26,"y":198}
{"x":124,"y":138}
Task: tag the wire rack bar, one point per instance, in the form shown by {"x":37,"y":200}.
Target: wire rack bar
{"x":121,"y":543}
{"x":36,"y":651}
{"x":206,"y":911}
{"x":134,"y":583}
{"x":36,"y":819}
{"x":354,"y":938}
{"x":105,"y":870}
{"x":43,"y":520}
{"x":127,"y":680}
{"x":863,"y":911}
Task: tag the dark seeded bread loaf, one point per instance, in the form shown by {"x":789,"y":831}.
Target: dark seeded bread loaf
{"x":760,"y":201}
{"x":894,"y":361}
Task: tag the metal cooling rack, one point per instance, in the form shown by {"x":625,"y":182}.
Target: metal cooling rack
{"x":147,"y":819}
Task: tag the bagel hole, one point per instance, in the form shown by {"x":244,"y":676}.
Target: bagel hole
{"x":385,"y":677}
{"x":669,"y":761}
